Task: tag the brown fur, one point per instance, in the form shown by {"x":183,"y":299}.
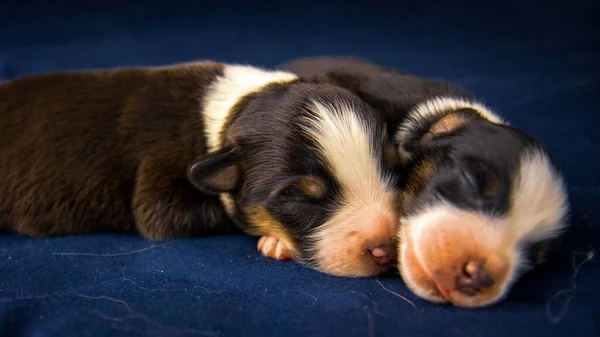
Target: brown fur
{"x":417,"y":180}
{"x":193,"y":149}
{"x":264,"y":224}
{"x":106,"y":150}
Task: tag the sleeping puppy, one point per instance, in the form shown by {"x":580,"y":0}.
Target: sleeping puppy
{"x":201,"y":148}
{"x":481,"y":199}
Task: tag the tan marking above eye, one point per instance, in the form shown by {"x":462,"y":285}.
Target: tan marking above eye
{"x":313,"y":187}
{"x":448,"y":124}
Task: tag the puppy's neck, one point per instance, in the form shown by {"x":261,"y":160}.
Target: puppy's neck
{"x":237,"y":82}
{"x":440,"y":115}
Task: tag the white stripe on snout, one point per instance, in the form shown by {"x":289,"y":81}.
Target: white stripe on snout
{"x":237,"y":82}
{"x":346,"y":143}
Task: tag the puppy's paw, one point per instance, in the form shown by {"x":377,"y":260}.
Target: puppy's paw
{"x":275,"y":248}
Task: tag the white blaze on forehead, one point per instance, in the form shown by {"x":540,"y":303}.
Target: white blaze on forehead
{"x":225,"y":92}
{"x":237,"y":81}
{"x":346,"y":143}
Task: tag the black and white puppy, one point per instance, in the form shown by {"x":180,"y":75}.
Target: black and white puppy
{"x":480,"y":199}
{"x":182,"y":150}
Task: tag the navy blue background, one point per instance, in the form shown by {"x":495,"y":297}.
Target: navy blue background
{"x":535,"y":63}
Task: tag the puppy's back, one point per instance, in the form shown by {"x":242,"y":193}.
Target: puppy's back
{"x":388,"y":90}
{"x":71,"y":142}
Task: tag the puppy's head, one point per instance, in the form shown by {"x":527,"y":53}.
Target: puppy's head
{"x":310,"y":165}
{"x":480,"y":202}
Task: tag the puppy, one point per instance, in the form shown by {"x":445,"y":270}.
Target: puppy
{"x":481,"y":198}
{"x":197,"y":149}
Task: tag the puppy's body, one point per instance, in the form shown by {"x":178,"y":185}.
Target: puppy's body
{"x":480,"y":197}
{"x":201,"y":148}
{"x":106,"y":150}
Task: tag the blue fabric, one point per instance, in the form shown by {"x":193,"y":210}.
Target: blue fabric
{"x":534,"y":62}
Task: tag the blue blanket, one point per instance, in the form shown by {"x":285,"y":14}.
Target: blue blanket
{"x":535,"y":63}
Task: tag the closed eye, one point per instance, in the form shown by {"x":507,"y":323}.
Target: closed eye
{"x":471,"y":181}
{"x":305,"y":189}
{"x":292,"y":193}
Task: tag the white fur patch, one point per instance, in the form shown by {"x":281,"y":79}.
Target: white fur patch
{"x":228,"y":203}
{"x":539,"y":201}
{"x":436,"y":106}
{"x":345,"y":143}
{"x":237,"y":81}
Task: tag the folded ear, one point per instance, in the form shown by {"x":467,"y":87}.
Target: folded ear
{"x":452,"y":122}
{"x":216,"y":172}
{"x":427,"y":130}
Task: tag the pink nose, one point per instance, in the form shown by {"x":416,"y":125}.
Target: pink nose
{"x":383,"y":254}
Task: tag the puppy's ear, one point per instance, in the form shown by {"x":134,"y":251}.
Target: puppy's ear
{"x":216,"y":172}
{"x":425,"y":131}
{"x":450,"y":123}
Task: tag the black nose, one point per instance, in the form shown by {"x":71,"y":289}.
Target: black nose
{"x":474,"y":279}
